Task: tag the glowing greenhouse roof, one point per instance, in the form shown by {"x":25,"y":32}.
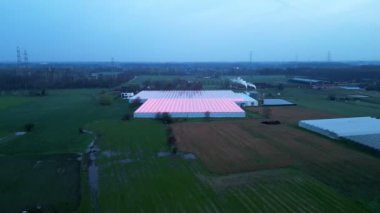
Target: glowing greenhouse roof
{"x":190,"y":106}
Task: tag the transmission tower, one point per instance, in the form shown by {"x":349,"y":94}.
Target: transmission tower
{"x":26,"y":58}
{"x":250,"y":57}
{"x":18,"y":56}
{"x":329,"y":56}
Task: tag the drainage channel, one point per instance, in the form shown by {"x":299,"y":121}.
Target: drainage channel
{"x":92,"y":170}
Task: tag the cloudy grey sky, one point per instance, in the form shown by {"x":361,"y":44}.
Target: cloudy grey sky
{"x":190,"y":30}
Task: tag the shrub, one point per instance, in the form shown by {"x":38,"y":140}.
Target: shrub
{"x":127,"y":117}
{"x":207,"y":116}
{"x":166,"y":118}
{"x":331,"y":97}
{"x":171,"y":141}
{"x":28,"y":127}
{"x":105,"y":100}
{"x":169,"y":131}
{"x":267,"y":112}
{"x":136,"y":102}
{"x":174,"y":150}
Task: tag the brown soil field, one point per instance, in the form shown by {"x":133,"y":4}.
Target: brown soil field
{"x":244,"y":148}
{"x":227,"y":147}
{"x":293,"y":114}
{"x":235,"y":146}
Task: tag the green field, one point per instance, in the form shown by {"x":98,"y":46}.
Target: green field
{"x":57,"y":118}
{"x":208,"y":83}
{"x":39,"y":168}
{"x":318,"y":99}
{"x":52,"y":181}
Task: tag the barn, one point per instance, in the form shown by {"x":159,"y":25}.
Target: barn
{"x":192,"y":104}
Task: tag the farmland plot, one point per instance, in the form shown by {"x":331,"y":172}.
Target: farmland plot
{"x":247,"y":145}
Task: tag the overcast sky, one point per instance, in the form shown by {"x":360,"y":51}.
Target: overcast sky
{"x":190,"y":30}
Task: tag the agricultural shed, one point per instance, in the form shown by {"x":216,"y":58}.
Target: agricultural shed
{"x":277,"y":102}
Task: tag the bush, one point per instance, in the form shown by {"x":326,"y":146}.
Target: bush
{"x":267,"y":112}
{"x":105,"y":100}
{"x":331,"y":97}
{"x":136,"y":102}
{"x":174,"y":150}
{"x":171,"y":141}
{"x":166,"y":118}
{"x":169,"y":131}
{"x":207,"y":116}
{"x":127,"y":117}
{"x":28,"y":127}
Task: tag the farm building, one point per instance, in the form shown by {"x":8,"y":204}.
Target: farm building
{"x":192,"y":104}
{"x":363,"y":130}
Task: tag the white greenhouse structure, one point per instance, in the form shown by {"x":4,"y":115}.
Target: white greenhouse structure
{"x":363,"y":130}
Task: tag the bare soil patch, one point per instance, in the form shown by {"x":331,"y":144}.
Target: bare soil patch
{"x":247,"y":145}
{"x":236,"y":146}
{"x":293,"y":114}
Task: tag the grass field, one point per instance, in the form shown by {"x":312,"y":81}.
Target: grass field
{"x":12,"y":101}
{"x":319,"y":175}
{"x":33,"y":170}
{"x":51,"y":181}
{"x":270,"y":79}
{"x":208,"y":83}
{"x":57,"y":118}
{"x":318,"y":100}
